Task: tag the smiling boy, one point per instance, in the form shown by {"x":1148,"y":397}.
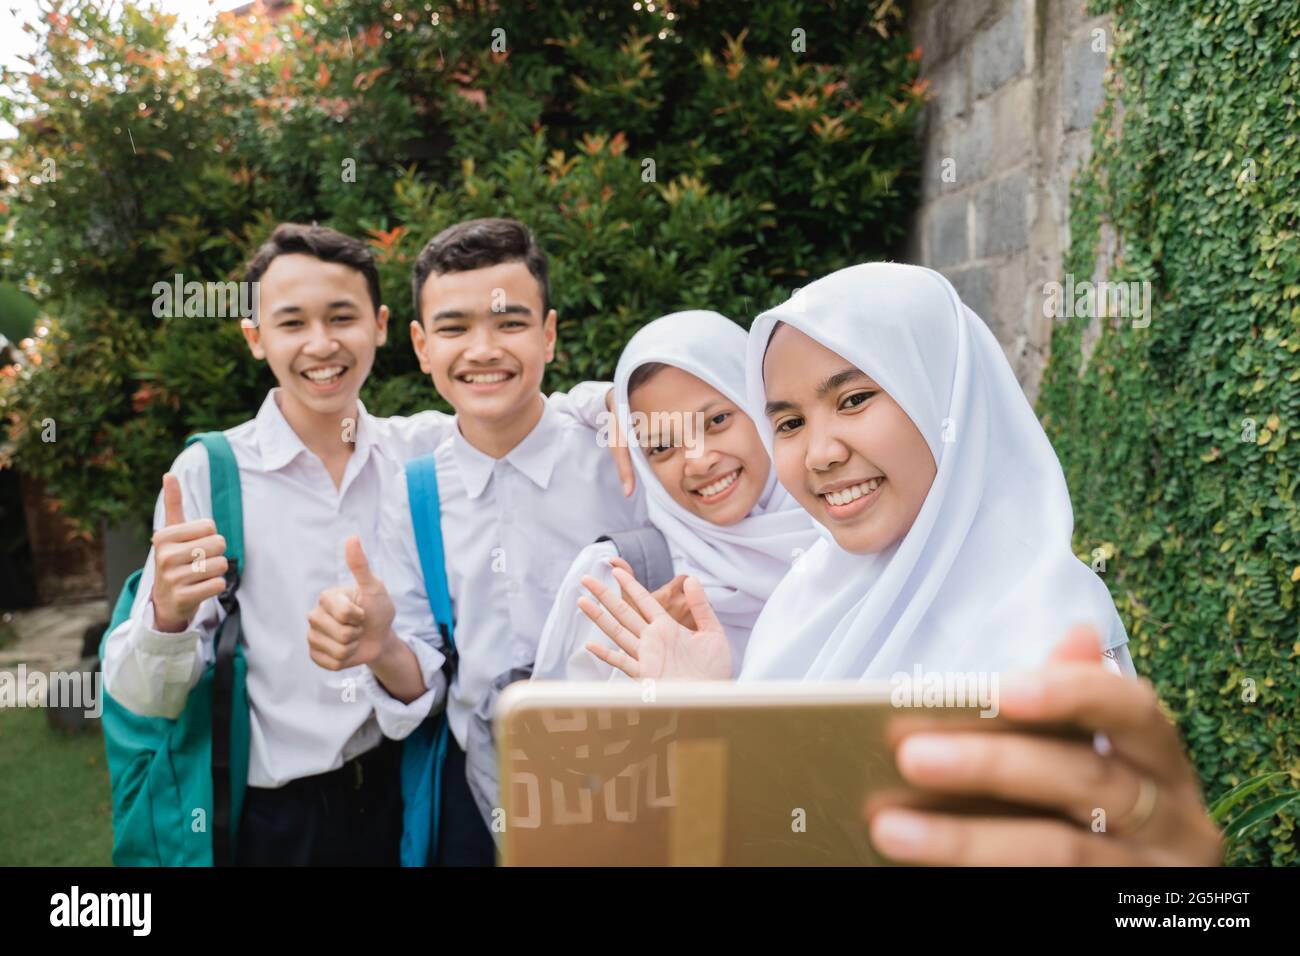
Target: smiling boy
{"x":522,"y":488}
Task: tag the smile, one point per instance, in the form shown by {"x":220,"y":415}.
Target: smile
{"x":852,"y":493}
{"x":717,"y":490}
{"x":846,"y":504}
{"x":485,"y":378}
{"x":324,"y":376}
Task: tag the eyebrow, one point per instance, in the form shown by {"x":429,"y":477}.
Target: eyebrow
{"x":840,"y":378}
{"x":510,"y":309}
{"x":336,"y":304}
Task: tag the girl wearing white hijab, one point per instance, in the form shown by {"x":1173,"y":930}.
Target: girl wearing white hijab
{"x":711,"y":491}
{"x":894,"y":419}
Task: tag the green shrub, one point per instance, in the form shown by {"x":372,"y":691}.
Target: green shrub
{"x":770,"y":165}
{"x":1177,"y":439}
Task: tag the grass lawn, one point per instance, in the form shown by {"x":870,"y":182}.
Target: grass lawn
{"x":55,"y":808}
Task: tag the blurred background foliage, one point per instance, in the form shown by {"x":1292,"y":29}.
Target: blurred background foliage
{"x":673,"y":156}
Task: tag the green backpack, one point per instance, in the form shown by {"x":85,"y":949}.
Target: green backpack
{"x":178,"y":785}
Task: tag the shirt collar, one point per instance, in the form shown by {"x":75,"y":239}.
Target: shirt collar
{"x":279,"y":444}
{"x":534,"y":456}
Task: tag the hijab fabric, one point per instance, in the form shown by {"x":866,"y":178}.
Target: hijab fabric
{"x":986,"y":577}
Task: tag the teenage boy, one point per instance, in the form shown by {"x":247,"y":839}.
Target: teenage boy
{"x":323,"y":771}
{"x":522,"y":488}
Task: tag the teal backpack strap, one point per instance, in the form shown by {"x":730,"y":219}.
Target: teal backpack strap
{"x":227,"y":497}
{"x":425,"y":751}
{"x":229,"y":743}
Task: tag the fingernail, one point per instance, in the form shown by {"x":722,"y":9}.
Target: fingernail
{"x":930,"y":752}
{"x":899,"y":833}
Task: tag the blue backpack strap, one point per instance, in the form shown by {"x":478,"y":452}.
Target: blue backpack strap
{"x":229,"y":747}
{"x":426,"y":517}
{"x":424,"y":752}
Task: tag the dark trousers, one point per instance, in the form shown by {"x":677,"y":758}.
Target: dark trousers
{"x":463,"y":838}
{"x":351,"y":816}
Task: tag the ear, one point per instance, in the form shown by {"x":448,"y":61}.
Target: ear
{"x":253,"y":336}
{"x":548,"y":330}
{"x":381,"y":319}
{"x":417,"y":343}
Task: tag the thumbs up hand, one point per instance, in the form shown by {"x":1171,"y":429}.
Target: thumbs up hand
{"x":352,"y":625}
{"x":189,"y":562}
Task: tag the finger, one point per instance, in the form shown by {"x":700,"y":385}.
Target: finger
{"x":360,"y":567}
{"x":615,"y":631}
{"x":642,"y":599}
{"x":698,"y":603}
{"x":338,"y":605}
{"x":618,"y":447}
{"x":336,"y":630}
{"x":1066,"y":776}
{"x":623,"y":612}
{"x":909,"y":836}
{"x":1127,"y":710}
{"x":200,"y":570}
{"x":173,"y":508}
{"x":616,"y":659}
{"x":323,"y":644}
{"x":667,"y":592}
{"x":1081,"y":644}
{"x":325,"y":661}
{"x":196,"y":555}
{"x":193,"y":595}
{"x":622,"y":453}
{"x":187,"y":531}
{"x":620,"y":563}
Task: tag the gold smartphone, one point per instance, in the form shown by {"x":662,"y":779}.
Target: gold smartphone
{"x":707,"y":773}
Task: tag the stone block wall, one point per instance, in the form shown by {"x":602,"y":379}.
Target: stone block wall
{"x":1015,"y":85}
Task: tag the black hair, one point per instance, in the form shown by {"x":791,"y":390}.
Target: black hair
{"x":643,"y":373}
{"x":477,"y":244}
{"x":320,"y":242}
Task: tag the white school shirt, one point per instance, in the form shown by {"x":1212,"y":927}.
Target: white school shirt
{"x":511,"y":527}
{"x":304,"y":720}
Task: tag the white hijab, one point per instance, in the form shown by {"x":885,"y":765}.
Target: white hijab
{"x":739,"y":565}
{"x":985,"y":578}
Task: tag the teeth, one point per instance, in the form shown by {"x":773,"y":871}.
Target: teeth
{"x":854,"y":492}
{"x":324,"y":374}
{"x":486,"y":378}
{"x":722,"y":484}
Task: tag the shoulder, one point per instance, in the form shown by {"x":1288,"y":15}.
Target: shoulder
{"x":409,"y":436}
{"x":593,"y":557}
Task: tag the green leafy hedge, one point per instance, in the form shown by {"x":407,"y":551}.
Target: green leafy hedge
{"x":1180,"y":440}
{"x":781,"y":137}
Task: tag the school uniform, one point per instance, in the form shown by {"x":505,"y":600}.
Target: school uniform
{"x":511,"y":526}
{"x":314,"y":734}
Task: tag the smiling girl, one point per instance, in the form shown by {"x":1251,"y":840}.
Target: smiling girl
{"x":711,"y":489}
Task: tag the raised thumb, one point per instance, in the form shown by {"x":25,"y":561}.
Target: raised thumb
{"x":361,"y":572}
{"x":173,"y":508}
